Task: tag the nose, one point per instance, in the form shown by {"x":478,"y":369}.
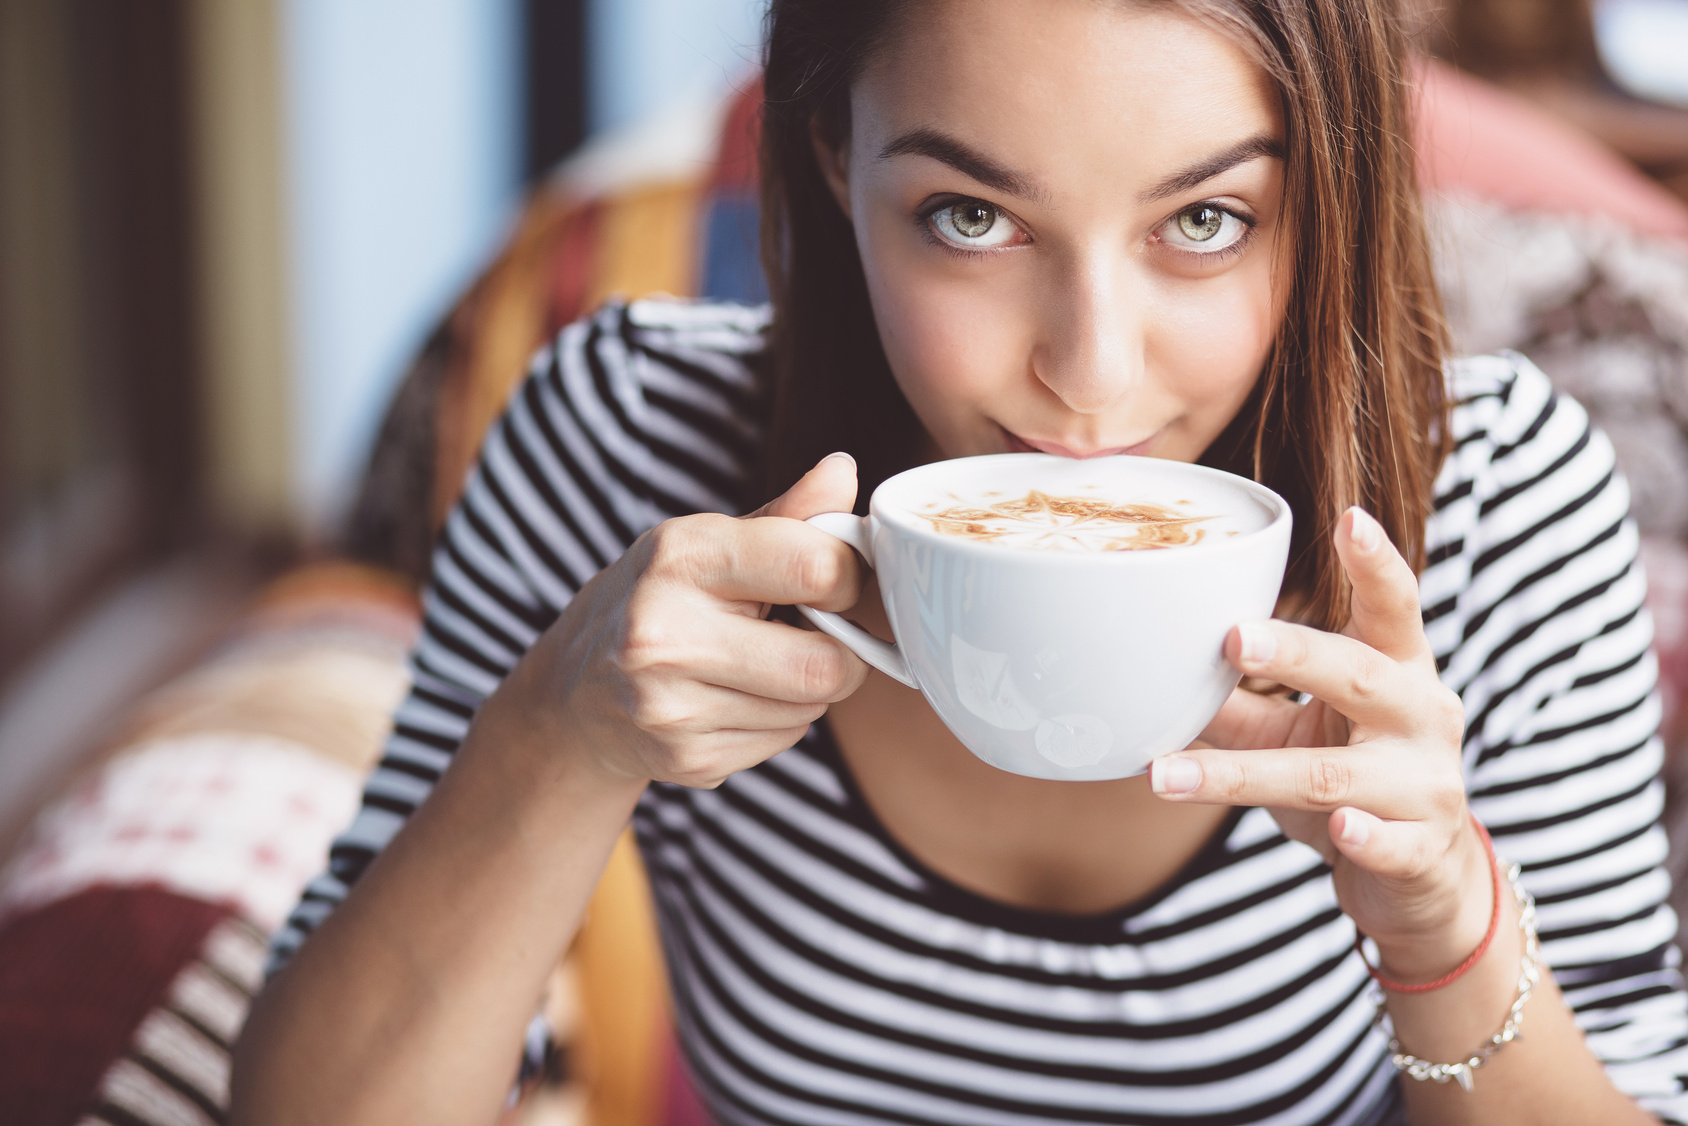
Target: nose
{"x":1090,"y":342}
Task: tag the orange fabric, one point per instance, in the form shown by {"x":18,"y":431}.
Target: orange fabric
{"x":494,"y":330}
{"x":648,"y":242}
{"x":624,"y":1012}
{"x":566,"y":257}
{"x":335,"y":582}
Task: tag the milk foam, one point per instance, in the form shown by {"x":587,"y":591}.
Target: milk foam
{"x":1092,"y":516}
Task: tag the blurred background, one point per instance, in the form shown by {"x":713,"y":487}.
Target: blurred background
{"x":267,"y":267}
{"x":226,"y":227}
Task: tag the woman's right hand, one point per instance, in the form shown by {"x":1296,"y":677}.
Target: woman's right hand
{"x":409,"y":1002}
{"x":664,"y":666}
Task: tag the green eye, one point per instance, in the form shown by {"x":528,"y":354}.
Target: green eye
{"x":972,"y":219}
{"x":1205,"y":230}
{"x":1201,"y":222}
{"x":972,"y":224}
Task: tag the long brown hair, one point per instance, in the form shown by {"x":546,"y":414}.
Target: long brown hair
{"x":1350,"y":408}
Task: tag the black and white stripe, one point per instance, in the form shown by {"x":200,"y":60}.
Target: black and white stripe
{"x":176,"y":1069}
{"x":823,"y":975}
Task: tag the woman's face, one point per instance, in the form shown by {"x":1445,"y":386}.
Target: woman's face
{"x":1067,"y":212}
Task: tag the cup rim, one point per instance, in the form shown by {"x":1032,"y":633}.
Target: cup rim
{"x":1279,"y":507}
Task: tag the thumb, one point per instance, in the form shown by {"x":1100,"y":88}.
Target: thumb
{"x":829,"y":487}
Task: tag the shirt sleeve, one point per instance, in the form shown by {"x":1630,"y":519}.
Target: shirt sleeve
{"x":1534,"y":599}
{"x":636,"y":414}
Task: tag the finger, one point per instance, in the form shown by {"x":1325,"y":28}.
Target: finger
{"x":1311,"y":829}
{"x":776,"y":661}
{"x":829,"y":487}
{"x":767,"y":560}
{"x":717,"y":757}
{"x":1395,"y":849}
{"x":1248,"y":719}
{"x":1347,"y":674}
{"x":680,"y":711}
{"x":1309,"y":778}
{"x":1385,"y":607}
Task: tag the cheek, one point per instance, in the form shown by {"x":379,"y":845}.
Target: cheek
{"x":1209,"y":340}
{"x":950,"y":335}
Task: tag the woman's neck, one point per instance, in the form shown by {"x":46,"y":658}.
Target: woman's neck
{"x":1075,"y":848}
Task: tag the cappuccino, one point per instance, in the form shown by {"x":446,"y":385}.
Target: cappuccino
{"x":1071,"y":523}
{"x":1113,"y":504}
{"x":1028,"y":612}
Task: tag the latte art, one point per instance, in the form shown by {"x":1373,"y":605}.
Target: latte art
{"x":1069,"y":523}
{"x":1028,"y":612}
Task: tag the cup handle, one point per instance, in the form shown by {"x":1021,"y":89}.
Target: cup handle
{"x":882,"y":655}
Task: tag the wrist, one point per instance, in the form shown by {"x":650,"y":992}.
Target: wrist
{"x":540,"y":749}
{"x":1458,"y":930}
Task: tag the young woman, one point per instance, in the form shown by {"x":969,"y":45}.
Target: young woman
{"x":1179,"y":229}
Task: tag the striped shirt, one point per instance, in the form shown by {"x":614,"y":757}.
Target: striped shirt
{"x":822,"y":974}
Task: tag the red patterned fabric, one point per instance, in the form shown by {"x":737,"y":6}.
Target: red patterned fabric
{"x":76,"y":978}
{"x":231,"y":818}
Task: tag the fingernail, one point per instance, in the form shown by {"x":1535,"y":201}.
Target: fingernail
{"x":1364,"y":532}
{"x":1175,"y":775}
{"x":1355,"y":831}
{"x":1259,"y":643}
{"x":840,"y":455}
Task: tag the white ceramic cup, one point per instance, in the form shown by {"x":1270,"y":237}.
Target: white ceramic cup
{"x":1076,"y":665}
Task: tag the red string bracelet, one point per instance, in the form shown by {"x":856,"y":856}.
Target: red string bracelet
{"x":1459,"y":970}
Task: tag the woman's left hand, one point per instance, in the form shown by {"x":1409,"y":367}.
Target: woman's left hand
{"x":1368,"y":772}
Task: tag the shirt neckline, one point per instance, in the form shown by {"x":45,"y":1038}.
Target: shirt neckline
{"x":1109,"y":926}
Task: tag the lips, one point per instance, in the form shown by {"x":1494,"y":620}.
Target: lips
{"x":1019,"y":445}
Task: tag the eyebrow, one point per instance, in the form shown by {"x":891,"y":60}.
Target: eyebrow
{"x":1197,"y":174}
{"x":927,"y":141}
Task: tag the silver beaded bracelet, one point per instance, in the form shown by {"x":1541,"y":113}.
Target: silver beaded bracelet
{"x":1529,"y":975}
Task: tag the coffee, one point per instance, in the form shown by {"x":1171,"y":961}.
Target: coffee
{"x":1028,"y":614}
{"x":1076,"y":506}
{"x":1072,"y":523}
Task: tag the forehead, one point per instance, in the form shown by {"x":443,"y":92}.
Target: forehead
{"x":1066,"y":89}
